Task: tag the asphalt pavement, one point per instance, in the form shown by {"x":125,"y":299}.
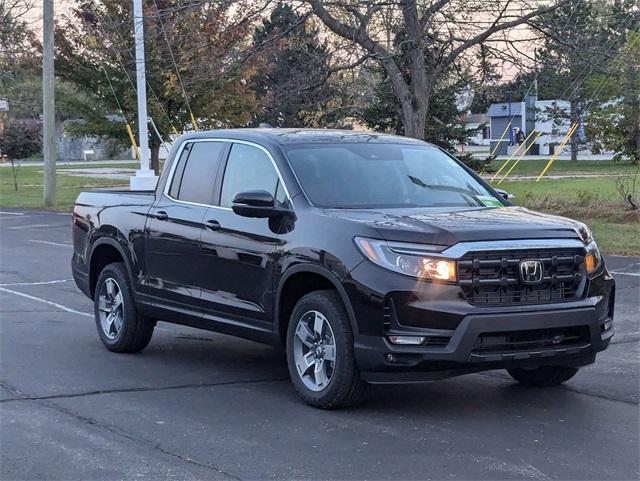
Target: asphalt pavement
{"x":199,"y":405}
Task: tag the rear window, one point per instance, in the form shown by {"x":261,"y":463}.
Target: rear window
{"x":195,"y":175}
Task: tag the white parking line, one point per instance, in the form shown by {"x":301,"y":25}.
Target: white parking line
{"x":50,"y":243}
{"x":51,"y":303}
{"x":37,"y":283}
{"x":635,"y":274}
{"x":11,"y":213}
{"x":36,"y":226}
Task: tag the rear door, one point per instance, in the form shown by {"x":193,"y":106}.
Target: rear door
{"x":176,"y":224}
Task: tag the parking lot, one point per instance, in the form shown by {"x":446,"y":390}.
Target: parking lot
{"x":198,"y":405}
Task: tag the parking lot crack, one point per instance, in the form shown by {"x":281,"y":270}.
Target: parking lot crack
{"x":48,"y":402}
{"x":26,"y":397}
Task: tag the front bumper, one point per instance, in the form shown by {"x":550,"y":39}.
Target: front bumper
{"x":383,"y":362}
{"x":462,"y":338}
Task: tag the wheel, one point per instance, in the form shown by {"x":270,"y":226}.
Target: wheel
{"x":120,"y":327}
{"x":320,"y":352}
{"x":543,"y":376}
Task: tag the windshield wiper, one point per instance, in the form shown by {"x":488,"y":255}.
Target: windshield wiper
{"x":447,"y":188}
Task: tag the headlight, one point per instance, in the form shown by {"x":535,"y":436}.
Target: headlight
{"x":593,"y":258}
{"x":409,"y":259}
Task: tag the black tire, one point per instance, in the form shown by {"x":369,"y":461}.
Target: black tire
{"x":543,"y":376}
{"x":136,"y":331}
{"x":345,"y":387}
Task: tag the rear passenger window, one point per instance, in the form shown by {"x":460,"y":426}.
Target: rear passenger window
{"x":199,"y":175}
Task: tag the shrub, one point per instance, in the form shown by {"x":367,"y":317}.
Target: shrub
{"x":21,"y":140}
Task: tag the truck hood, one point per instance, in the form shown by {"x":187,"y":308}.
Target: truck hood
{"x":448,"y":227}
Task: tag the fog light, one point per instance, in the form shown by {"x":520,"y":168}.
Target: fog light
{"x":407,"y":340}
{"x":607,"y":325}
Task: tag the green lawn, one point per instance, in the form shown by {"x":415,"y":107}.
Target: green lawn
{"x":593,"y":201}
{"x":563,"y":167}
{"x":30,"y":186}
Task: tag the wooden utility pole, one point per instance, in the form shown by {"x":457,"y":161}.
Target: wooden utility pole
{"x":48,"y":105}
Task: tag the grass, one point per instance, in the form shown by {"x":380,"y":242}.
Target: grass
{"x":594,"y":201}
{"x":30,"y":186}
{"x":563,"y":167}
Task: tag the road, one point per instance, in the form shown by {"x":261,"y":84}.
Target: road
{"x":198,"y":405}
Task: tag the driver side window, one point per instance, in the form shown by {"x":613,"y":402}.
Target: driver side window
{"x":249,"y":168}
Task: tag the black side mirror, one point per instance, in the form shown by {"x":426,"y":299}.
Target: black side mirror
{"x":504,"y":194}
{"x":257,"y":203}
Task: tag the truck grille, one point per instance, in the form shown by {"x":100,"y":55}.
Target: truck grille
{"x":493,"y":278}
{"x":531,"y":340}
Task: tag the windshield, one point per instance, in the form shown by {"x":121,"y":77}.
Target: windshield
{"x":384,"y":176}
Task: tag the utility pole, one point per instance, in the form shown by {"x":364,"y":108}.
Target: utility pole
{"x":145,"y":178}
{"x":48,"y":105}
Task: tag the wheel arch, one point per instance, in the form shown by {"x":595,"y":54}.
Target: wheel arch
{"x":300,"y":280}
{"x":105,"y":251}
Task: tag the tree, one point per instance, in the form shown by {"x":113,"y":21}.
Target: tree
{"x":592,"y":34}
{"x":438,"y":35}
{"x":292,"y":69}
{"x":382,"y":112}
{"x":19,"y":58}
{"x":195,"y":66}
{"x":614,"y":121}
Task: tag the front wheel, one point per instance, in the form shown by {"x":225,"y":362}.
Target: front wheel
{"x":543,"y":376}
{"x":120,"y":327}
{"x":320,"y":352}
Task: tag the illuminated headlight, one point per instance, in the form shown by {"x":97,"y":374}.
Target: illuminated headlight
{"x":409,"y":259}
{"x":593,"y":258}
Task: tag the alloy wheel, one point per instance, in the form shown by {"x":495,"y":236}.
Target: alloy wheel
{"x":314,"y":350}
{"x":110,"y":308}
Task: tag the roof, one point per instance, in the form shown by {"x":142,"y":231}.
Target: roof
{"x":502,"y":109}
{"x":303,"y":136}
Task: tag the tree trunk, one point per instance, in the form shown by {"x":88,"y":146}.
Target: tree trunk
{"x":155,"y":158}
{"x":574,"y":117}
{"x":414,"y":113}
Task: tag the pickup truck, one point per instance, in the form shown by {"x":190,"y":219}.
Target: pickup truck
{"x":370,"y":258}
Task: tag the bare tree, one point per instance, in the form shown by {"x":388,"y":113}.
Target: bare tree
{"x":435,"y":36}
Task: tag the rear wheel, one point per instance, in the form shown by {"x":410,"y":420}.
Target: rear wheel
{"x":120,"y":327}
{"x":543,"y":376}
{"x":320,"y":352}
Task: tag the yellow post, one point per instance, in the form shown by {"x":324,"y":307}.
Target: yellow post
{"x":175,"y":131}
{"x":511,"y":156}
{"x":133,"y":141}
{"x":557,"y":152}
{"x":520,"y":157}
{"x":193,"y":121}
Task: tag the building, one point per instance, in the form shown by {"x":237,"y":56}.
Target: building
{"x":478,"y":127}
{"x":550,"y":117}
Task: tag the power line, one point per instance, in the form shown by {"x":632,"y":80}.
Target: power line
{"x":175,"y":66}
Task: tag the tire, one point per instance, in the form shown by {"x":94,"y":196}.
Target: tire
{"x":125,"y":330}
{"x":343,"y":386}
{"x":543,"y":376}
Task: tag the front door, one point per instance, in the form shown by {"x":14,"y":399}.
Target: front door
{"x":175,"y":228}
{"x":238,"y":254}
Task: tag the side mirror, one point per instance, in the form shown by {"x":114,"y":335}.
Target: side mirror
{"x":257,"y":203}
{"x":504,"y":194}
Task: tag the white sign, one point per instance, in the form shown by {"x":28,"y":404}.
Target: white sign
{"x":4,"y":105}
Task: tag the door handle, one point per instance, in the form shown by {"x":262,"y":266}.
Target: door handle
{"x":212,"y":225}
{"x":162,"y":215}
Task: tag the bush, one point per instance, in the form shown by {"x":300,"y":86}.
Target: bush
{"x":21,"y":140}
